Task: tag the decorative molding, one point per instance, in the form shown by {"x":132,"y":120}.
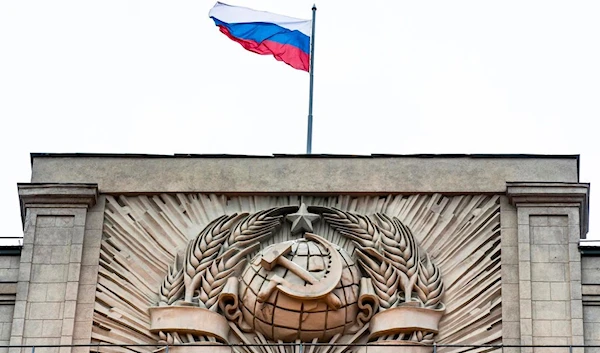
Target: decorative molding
{"x":534,"y":194}
{"x":54,"y":195}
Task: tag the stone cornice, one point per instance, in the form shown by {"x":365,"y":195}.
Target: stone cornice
{"x":535,"y":194}
{"x":56,"y":195}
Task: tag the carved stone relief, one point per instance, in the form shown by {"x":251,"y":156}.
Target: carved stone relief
{"x":192,"y":268}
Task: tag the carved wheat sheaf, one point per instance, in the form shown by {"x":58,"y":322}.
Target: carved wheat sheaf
{"x":430,"y":287}
{"x":215,"y":277}
{"x":384,"y":276}
{"x":172,"y":287}
{"x":398,"y":245}
{"x":143,"y":234}
{"x":203,"y":250}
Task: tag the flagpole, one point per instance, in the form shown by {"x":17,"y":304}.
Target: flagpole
{"x":311,"y":72}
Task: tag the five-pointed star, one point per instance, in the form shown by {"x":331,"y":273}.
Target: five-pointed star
{"x":302,"y":220}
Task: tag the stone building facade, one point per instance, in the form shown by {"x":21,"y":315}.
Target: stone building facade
{"x":123,"y":249}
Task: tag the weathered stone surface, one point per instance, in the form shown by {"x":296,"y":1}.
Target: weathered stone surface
{"x":287,"y":174}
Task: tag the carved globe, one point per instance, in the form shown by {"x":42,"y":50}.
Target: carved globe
{"x":288,"y":318}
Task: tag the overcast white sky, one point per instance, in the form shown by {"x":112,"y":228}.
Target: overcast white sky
{"x":401,"y":77}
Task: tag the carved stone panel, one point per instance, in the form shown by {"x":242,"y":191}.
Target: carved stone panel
{"x":193,"y":268}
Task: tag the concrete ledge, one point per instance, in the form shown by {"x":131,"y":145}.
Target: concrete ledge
{"x":307,"y":174}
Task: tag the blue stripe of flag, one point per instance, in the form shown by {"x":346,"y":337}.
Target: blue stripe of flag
{"x":261,"y":31}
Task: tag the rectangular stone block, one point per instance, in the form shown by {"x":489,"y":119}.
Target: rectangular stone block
{"x":509,"y":237}
{"x":592,"y":331}
{"x":84,"y":312}
{"x":56,"y":292}
{"x":26,"y":256}
{"x":49,"y":273}
{"x":25,"y":272}
{"x":540,"y":291}
{"x":71,"y":291}
{"x":561,"y":328}
{"x":576,"y":309}
{"x":539,"y":221}
{"x":574,"y":233}
{"x":94,"y":220}
{"x":33,"y":328}
{"x":549,"y":235}
{"x":524,"y":271}
{"x":89,"y":275}
{"x":69,"y":309}
{"x":93,"y":238}
{"x":576,"y":328}
{"x":560,"y":291}
{"x":525,"y":290}
{"x":542,"y":328}
{"x":523,"y":234}
{"x":18,"y":327}
{"x":53,"y":236}
{"x":42,"y":254}
{"x":510,"y":330}
{"x":549,"y":310}
{"x":60,"y":255}
{"x":558,"y":253}
{"x":78,"y":235}
{"x":75,"y":253}
{"x":37,"y":292}
{"x":40,"y":311}
{"x":510,"y":273}
{"x":5,"y":332}
{"x":524,"y":252}
{"x":525,"y":310}
{"x":87,"y":293}
{"x":548,"y":272}
{"x":9,"y":274}
{"x":81,"y":331}
{"x":558,"y":221}
{"x":19,"y":310}
{"x":591,"y":313}
{"x":52,"y":328}
{"x":67,"y":328}
{"x":74,"y":270}
{"x":64,"y":221}
{"x":526,"y":327}
{"x":45,"y":221}
{"x":575,"y":271}
{"x":90,"y":256}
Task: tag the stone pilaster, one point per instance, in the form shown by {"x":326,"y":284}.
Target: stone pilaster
{"x":54,"y":218}
{"x":551,"y":218}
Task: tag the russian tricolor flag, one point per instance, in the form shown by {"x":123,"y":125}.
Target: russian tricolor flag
{"x":286,"y":38}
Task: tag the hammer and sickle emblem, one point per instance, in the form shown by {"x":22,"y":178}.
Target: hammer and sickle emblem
{"x":315,"y":288}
